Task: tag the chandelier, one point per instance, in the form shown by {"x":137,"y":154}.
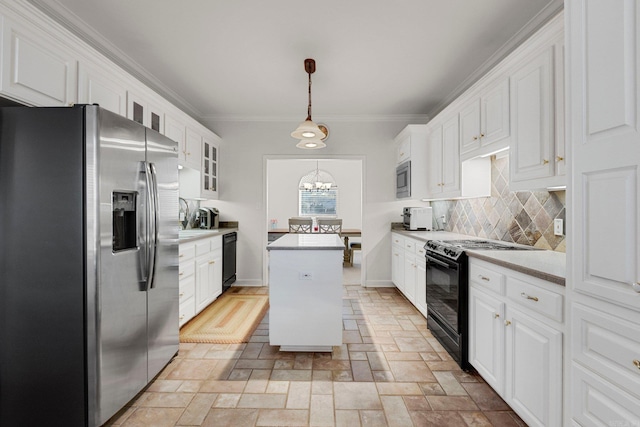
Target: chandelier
{"x":310,"y":134}
{"x":317,"y":180}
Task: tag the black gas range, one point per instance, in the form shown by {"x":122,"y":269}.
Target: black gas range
{"x":448,"y":290}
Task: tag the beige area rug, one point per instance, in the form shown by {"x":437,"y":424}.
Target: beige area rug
{"x":231,"y":319}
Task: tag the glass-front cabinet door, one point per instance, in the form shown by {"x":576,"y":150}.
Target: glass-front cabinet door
{"x":210,"y":167}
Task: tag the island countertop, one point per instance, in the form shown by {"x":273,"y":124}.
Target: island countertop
{"x":307,"y":241}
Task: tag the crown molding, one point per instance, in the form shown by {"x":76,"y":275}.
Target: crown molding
{"x":545,"y":15}
{"x":70,"y":21}
{"x":403,"y":118}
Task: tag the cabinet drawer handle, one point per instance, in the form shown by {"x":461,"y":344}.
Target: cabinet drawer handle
{"x":180,"y":274}
{"x":181,"y":255}
{"x":496,"y":315}
{"x":181,"y":294}
{"x":523,"y":295}
{"x":212,"y":262}
{"x":636,"y":286}
{"x":636,"y":363}
{"x":507,"y":322}
{"x":481,"y":277}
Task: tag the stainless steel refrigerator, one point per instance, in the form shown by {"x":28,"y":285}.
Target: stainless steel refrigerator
{"x":88,"y":263}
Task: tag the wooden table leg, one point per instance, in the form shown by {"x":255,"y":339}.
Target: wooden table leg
{"x":347,"y":254}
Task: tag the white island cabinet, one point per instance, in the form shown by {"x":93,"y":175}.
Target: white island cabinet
{"x":305,"y":292}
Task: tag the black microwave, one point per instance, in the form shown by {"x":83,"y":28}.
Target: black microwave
{"x":403,"y":180}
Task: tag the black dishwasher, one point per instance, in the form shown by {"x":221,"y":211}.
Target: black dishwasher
{"x":228,"y":260}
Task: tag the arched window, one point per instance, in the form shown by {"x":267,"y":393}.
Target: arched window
{"x":318,"y":194}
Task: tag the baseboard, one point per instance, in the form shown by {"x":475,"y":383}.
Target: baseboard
{"x":379,"y":284}
{"x":249,"y":282}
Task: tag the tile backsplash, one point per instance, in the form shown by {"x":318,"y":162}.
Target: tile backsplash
{"x":524,"y":217}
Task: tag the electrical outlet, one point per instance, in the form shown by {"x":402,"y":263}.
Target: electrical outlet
{"x":305,"y":275}
{"x":558,"y":228}
{"x":444,"y":219}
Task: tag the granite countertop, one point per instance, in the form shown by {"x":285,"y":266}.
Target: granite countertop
{"x":544,"y":264}
{"x":196,"y":233}
{"x":307,"y":241}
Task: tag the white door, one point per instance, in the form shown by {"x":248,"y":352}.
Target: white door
{"x":486,"y":338}
{"x":605,"y":129}
{"x":410,"y":277}
{"x":494,"y":114}
{"x":397,"y":267}
{"x":434,"y":160}
{"x":533,"y":370}
{"x":470,"y":126}
{"x":450,"y":155}
{"x":533,"y":137}
{"x":96,"y":86}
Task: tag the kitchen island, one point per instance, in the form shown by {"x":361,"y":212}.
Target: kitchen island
{"x":305,"y":292}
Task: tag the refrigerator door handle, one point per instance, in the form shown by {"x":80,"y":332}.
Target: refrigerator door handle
{"x":154,"y":216}
{"x":151,"y":225}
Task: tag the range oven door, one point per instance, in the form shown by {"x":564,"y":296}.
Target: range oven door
{"x":443,"y":285}
{"x":446,"y":305}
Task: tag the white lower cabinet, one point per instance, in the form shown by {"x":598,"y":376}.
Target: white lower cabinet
{"x":515,"y":339}
{"x":200,"y":275}
{"x":408,"y":269}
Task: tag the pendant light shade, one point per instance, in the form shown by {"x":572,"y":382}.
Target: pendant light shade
{"x":308,"y":132}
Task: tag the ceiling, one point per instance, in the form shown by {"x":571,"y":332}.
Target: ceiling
{"x":244,"y":59}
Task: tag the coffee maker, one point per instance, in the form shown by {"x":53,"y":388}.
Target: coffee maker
{"x":208,"y":218}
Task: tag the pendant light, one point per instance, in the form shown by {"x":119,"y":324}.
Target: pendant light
{"x":309,"y":134}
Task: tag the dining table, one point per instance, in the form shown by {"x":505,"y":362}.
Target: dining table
{"x":274,"y":233}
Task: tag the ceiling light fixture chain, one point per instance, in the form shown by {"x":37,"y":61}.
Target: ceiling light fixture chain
{"x":310,"y":134}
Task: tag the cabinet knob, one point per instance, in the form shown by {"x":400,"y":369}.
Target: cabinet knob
{"x":636,"y":363}
{"x":182,"y":317}
{"x":496,"y":315}
{"x":636,"y":286}
{"x":181,"y":255}
{"x":181,"y":294}
{"x":475,"y":138}
{"x":523,"y":295}
{"x":545,"y":161}
{"x":559,"y":158}
{"x":180,"y":274}
{"x":507,"y":322}
{"x":482,"y":135}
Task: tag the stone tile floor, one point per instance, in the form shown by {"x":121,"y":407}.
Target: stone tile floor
{"x":390,"y":371}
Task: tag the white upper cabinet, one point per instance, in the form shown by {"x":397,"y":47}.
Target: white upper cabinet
{"x":411,"y":145}
{"x":484,"y":121}
{"x":537,"y":158}
{"x":447,"y":176}
{"x":99,"y":86}
{"x":210,"y":162}
{"x":444,"y":160}
{"x":144,"y":111}
{"x":36,"y":69}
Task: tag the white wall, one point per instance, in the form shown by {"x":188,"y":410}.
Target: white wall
{"x":243,"y":153}
{"x":283,"y":176}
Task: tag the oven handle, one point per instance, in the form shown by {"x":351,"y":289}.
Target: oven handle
{"x":440,"y":263}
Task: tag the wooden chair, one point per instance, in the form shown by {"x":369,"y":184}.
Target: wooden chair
{"x":300,"y":225}
{"x":329,"y":225}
